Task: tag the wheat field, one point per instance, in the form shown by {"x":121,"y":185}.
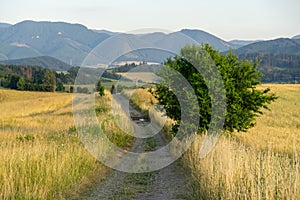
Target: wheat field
{"x":263,"y":163}
{"x":42,"y":156}
{"x":279,"y":128}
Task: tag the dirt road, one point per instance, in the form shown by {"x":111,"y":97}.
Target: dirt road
{"x":171,"y":182}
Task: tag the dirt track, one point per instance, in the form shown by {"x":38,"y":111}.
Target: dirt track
{"x":171,"y":182}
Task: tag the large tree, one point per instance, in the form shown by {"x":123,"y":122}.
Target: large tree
{"x":244,"y":101}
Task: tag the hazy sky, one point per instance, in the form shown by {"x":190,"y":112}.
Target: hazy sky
{"x":228,"y":19}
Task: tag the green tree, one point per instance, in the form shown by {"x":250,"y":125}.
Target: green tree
{"x":21,"y":83}
{"x":60,"y":87}
{"x":244,"y":101}
{"x":100,"y":88}
{"x":49,"y":80}
{"x":13,"y":80}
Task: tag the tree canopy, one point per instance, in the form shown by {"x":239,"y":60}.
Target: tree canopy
{"x":244,"y":100}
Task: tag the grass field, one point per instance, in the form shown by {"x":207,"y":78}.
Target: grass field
{"x":263,"y":163}
{"x":279,"y":128}
{"x":148,"y":77}
{"x":41,"y":154}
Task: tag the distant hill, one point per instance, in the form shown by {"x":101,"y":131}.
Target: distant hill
{"x":75,"y":43}
{"x":179,"y":39}
{"x":296,"y":37}
{"x":278,"y":60}
{"x":106,"y":32}
{"x":152,"y":47}
{"x":17,"y":51}
{"x":239,"y":43}
{"x":72,"y":43}
{"x":277,"y":46}
{"x":42,"y":61}
{"x":172,"y":41}
{"x":277,"y":68}
{"x":67,"y":42}
{"x":204,"y":37}
{"x":4,"y":25}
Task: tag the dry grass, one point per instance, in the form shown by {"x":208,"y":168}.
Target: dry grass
{"x":140,"y":98}
{"x":41,"y":154}
{"x":148,"y":77}
{"x":261,"y":164}
{"x":116,"y":123}
{"x":144,"y":101}
{"x":233,"y":171}
{"x":280,"y":127}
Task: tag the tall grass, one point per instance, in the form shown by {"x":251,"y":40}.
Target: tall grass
{"x":41,"y":154}
{"x":142,"y":100}
{"x":233,"y":171}
{"x":280,"y":127}
{"x":261,"y":164}
{"x":40,"y":169}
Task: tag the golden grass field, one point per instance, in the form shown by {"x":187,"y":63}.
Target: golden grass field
{"x":279,"y":128}
{"x":42,"y":156}
{"x":262,"y":163}
{"x":148,"y":77}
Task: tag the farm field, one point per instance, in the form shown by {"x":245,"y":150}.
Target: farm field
{"x":43,"y":157}
{"x":278,"y":129}
{"x":263,"y":163}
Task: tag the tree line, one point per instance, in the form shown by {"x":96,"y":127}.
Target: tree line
{"x":35,"y":78}
{"x":276,"y":68}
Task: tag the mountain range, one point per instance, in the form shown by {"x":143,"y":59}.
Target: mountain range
{"x":277,"y":46}
{"x":53,"y":44}
{"x":64,"y":41}
{"x":71,"y":43}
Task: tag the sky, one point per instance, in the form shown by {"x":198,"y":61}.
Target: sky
{"x":227,"y":19}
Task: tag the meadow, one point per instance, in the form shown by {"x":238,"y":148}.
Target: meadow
{"x":42,"y":156}
{"x":263,"y":163}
